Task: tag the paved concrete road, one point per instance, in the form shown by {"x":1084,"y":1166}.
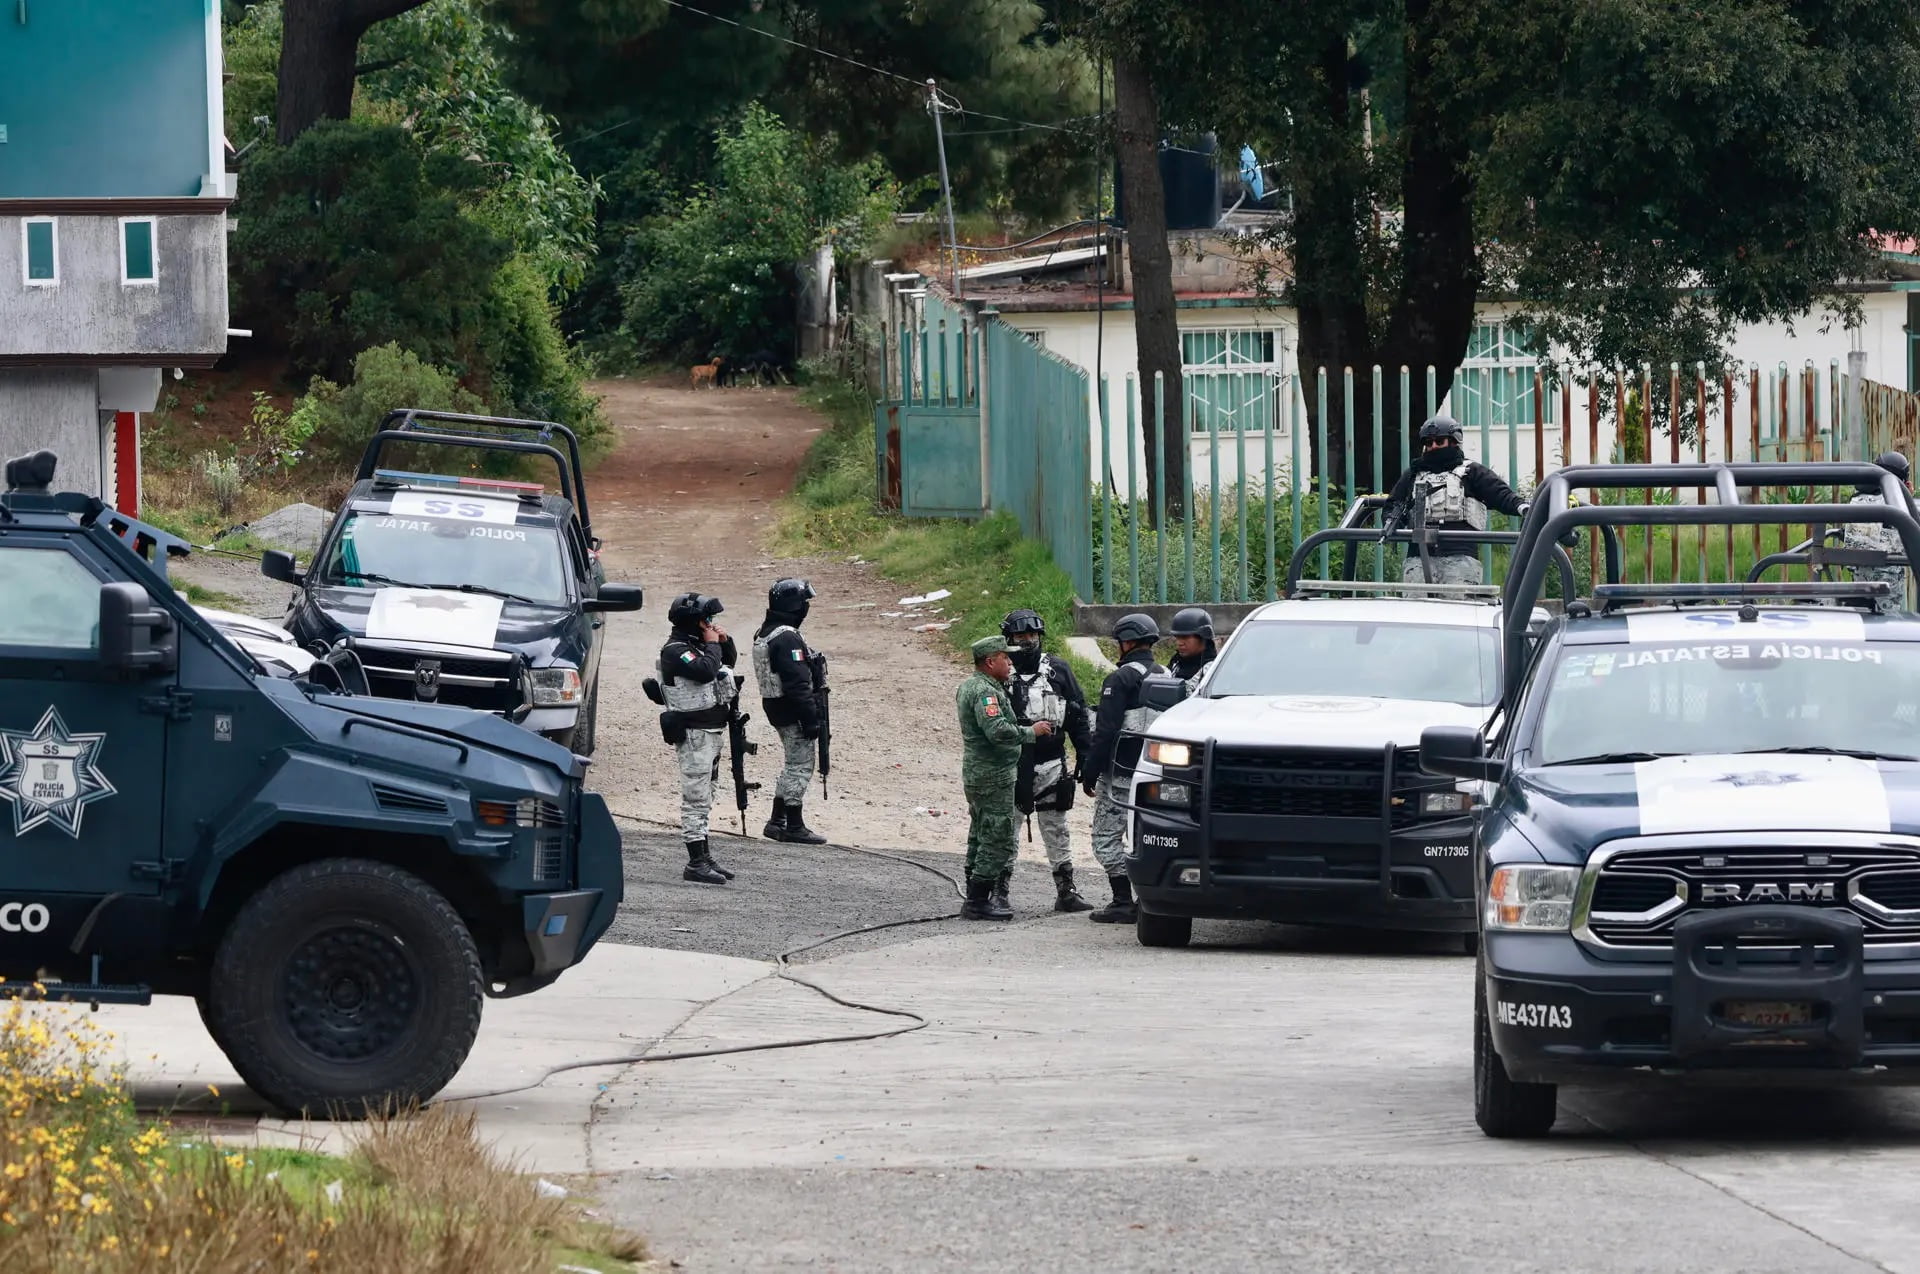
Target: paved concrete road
{"x":1290,"y":1101}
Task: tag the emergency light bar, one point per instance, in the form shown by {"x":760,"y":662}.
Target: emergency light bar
{"x":450,"y":480}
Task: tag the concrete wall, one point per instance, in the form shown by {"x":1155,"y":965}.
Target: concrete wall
{"x":92,"y":313}
{"x":109,"y":98}
{"x":56,"y":409}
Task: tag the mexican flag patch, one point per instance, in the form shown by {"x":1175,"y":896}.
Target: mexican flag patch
{"x":992,"y":705}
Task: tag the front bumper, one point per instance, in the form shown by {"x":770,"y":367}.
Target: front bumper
{"x":1558,"y":1013}
{"x":559,"y":929}
{"x":1416,"y":879}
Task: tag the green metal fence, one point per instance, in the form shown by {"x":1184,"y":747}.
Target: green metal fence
{"x":1041,"y":466}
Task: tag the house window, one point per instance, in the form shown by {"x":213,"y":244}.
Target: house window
{"x":40,"y":251}
{"x":138,"y":262}
{"x":1495,"y":385}
{"x":1232,"y":378}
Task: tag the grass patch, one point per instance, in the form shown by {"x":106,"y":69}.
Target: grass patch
{"x":990,"y":567}
{"x":88,"y":1184}
{"x":199,"y":596}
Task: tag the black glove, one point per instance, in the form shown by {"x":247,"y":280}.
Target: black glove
{"x":1088,"y":784}
{"x":810,"y":731}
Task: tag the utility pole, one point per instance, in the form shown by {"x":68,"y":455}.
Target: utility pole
{"x":946,"y":187}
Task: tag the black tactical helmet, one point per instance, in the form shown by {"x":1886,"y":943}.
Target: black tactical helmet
{"x":1136,"y":627}
{"x":1193,"y":622}
{"x":1894,"y":463}
{"x":689,"y":609}
{"x":1022,"y":621}
{"x":789,"y":595}
{"x":1441,"y":427}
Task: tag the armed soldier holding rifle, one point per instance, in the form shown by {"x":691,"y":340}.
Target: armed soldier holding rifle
{"x":700,"y":691}
{"x":793,"y":691}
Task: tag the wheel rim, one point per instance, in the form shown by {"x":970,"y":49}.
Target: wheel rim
{"x":350,"y":993}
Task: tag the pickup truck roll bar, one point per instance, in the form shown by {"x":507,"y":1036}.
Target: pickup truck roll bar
{"x":1353,"y":531}
{"x":370,"y":459}
{"x":465,"y":425}
{"x":1553,"y":515}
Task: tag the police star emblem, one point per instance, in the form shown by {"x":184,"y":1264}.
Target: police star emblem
{"x":50,"y":775}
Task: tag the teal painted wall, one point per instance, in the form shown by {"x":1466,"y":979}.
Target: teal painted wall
{"x":103,"y":98}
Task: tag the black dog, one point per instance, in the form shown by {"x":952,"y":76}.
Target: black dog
{"x":763,"y":365}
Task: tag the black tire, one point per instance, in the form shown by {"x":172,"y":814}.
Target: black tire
{"x":585,"y":725}
{"x":1162,"y":931}
{"x":1501,"y":1106}
{"x":344,"y":988}
{"x":1470,"y":943}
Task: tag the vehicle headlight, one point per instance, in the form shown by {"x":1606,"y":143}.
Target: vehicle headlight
{"x":1532,"y":897}
{"x":1169,"y":753}
{"x":1167,"y":794}
{"x":1445,"y":802}
{"x":556,"y":687}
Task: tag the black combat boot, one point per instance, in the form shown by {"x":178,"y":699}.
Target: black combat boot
{"x":701,"y":869}
{"x":1066,"y":897}
{"x":776,"y":828}
{"x":981,"y":904}
{"x":1121,"y":911}
{"x":798,"y":833}
{"x":1000,"y":890}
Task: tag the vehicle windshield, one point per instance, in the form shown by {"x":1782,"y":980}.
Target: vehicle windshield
{"x":1432,"y":662}
{"x":378,"y":549}
{"x":1758,"y":695}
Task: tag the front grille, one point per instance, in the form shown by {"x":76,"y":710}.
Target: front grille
{"x":487,"y":684}
{"x":398,"y":800}
{"x":550,"y":854}
{"x":1638,"y":896}
{"x":1295,"y":861}
{"x":1295,"y":784}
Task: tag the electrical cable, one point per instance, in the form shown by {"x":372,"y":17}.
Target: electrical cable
{"x":782,"y":971}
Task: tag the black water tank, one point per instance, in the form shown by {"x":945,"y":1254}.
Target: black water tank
{"x":1191,"y":178}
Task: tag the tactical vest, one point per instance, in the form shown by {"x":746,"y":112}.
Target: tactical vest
{"x":688,"y":697}
{"x":763,"y":662}
{"x":1870,"y":535}
{"x":1140,"y":716}
{"x":1447,"y":500}
{"x":1193,"y":682}
{"x":1043,"y":701}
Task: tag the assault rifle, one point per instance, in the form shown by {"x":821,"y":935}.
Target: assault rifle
{"x":739,"y":749}
{"x":826,"y":718}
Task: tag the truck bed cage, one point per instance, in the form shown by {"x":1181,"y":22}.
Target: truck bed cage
{"x":1553,"y":515}
{"x":1815,"y":554}
{"x":1353,"y":531}
{"x":370,"y":459}
{"x":420,"y":420}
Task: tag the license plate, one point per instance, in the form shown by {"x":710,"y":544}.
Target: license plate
{"x":1769,"y":1013}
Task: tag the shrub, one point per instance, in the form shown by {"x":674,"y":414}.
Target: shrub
{"x":223,"y":480}
{"x":531,"y":372}
{"x":337,"y":420}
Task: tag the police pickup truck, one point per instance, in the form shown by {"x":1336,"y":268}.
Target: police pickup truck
{"x":1701,"y":858}
{"x":1288,"y":788}
{"x":479,"y":592}
{"x":339,"y":880}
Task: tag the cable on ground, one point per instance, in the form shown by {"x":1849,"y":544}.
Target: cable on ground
{"x":783,"y":971}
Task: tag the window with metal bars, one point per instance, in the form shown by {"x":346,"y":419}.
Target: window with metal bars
{"x":1232,"y":378}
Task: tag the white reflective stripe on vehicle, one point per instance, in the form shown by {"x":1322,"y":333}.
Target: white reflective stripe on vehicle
{"x":434,"y":615}
{"x":1798,"y":623}
{"x":454,"y":507}
{"x":1760,"y":792}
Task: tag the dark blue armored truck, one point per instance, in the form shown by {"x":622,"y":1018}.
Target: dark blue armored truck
{"x":1700,"y":860}
{"x":462,"y":589}
{"x":338,"y":879}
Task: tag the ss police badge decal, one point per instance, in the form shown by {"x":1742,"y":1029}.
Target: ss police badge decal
{"x":50,"y":775}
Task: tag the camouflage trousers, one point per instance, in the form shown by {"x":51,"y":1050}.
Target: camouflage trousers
{"x":1053,"y":834}
{"x":990,"y":836}
{"x":699,"y":768}
{"x":1446,"y":570}
{"x":1109,"y":827}
{"x":796,"y":775}
{"x":1893,"y":575}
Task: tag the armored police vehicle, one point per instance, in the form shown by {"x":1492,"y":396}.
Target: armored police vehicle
{"x":1288,"y":788}
{"x":479,"y":592}
{"x":1701,"y":858}
{"x":338,"y":879}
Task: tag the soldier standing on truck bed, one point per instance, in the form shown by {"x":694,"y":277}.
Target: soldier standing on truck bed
{"x":791,"y":675}
{"x":1045,"y":689}
{"x":991,"y":742}
{"x":1120,"y":712}
{"x":697,"y":682}
{"x":1879,"y":536}
{"x":1193,"y":648}
{"x":1457,"y":492}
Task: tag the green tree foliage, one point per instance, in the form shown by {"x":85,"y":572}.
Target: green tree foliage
{"x":337,"y":420}
{"x":716,"y":275}
{"x":354,"y":237}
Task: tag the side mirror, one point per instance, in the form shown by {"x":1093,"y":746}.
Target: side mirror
{"x":1161,"y":693}
{"x":1457,"y":752}
{"x":276,"y":565}
{"x":135,"y":636}
{"x":616,"y":597}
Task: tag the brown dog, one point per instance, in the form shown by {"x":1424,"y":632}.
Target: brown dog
{"x":705,"y":373}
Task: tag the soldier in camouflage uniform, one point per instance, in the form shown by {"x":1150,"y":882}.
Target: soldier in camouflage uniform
{"x":698,"y":685}
{"x":1120,"y":712}
{"x":1045,"y":689}
{"x":791,"y":676}
{"x":1456,"y":492}
{"x":1193,"y":647}
{"x":1879,"y":536}
{"x":990,"y":742}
